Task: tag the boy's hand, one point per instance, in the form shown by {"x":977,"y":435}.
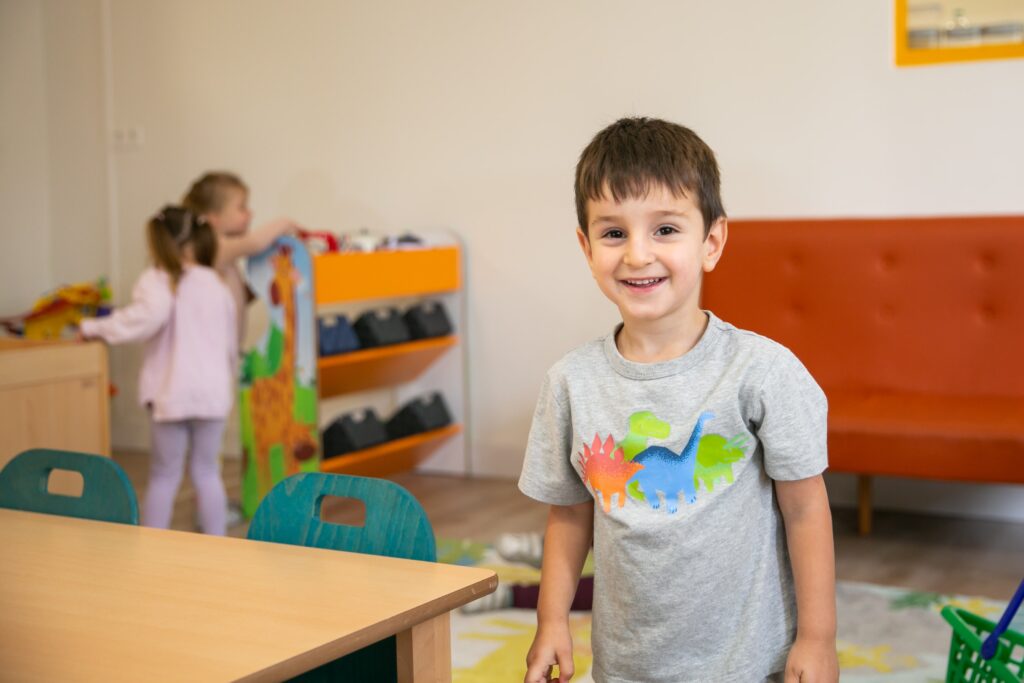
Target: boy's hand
{"x":552,"y":645}
{"x":812,"y":661}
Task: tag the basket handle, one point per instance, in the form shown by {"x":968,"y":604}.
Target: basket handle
{"x":991,"y":644}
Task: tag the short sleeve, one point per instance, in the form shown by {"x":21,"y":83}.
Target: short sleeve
{"x":793,"y":430}
{"x":548,"y":475}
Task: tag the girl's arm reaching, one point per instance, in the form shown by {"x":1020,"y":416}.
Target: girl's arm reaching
{"x":149,"y":310}
{"x":567,"y":539}
{"x":230,"y":249}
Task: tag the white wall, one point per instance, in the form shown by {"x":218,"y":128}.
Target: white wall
{"x":78,"y":203}
{"x":470,"y":116}
{"x":53,"y":184}
{"x":24,"y":171}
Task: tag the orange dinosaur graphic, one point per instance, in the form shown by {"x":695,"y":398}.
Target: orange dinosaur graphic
{"x":273,"y":398}
{"x":606,"y":470}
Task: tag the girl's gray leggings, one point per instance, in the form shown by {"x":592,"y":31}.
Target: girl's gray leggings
{"x":171,"y":441}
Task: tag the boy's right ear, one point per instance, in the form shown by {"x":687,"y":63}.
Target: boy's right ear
{"x":584,"y":242}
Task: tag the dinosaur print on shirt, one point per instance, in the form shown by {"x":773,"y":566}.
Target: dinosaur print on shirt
{"x":651,"y":473}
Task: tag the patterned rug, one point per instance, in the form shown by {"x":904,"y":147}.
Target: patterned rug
{"x":885,"y":635}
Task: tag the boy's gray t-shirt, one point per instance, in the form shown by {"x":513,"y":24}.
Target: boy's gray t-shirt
{"x":697,"y":587}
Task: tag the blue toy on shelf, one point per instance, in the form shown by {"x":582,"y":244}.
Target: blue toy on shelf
{"x":336,"y":336}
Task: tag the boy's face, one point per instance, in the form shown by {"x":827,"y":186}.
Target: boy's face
{"x":234,"y":216}
{"x":648,"y":256}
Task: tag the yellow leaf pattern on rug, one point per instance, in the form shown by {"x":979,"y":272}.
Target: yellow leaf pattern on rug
{"x":879,"y":658}
{"x":980,"y":606}
{"x":508,"y":661}
{"x":514,"y":573}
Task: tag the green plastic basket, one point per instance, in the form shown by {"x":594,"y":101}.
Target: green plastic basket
{"x":966,"y":665}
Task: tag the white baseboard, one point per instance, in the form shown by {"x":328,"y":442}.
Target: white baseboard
{"x":1002,"y":502}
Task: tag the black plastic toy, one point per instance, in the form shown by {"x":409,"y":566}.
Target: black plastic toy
{"x":347,"y":434}
{"x":380,"y":328}
{"x":428,"y":319}
{"x":419,"y":415}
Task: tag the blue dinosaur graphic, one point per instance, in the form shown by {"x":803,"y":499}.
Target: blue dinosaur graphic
{"x":668,"y":472}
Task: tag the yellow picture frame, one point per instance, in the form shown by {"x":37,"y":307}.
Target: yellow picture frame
{"x":908,"y":56}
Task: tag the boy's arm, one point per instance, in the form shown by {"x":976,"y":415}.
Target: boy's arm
{"x":567,"y":540}
{"x":804,"y":506}
{"x":149,"y":310}
{"x":230,"y":249}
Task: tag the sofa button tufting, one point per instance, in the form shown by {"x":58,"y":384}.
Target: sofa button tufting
{"x":988,"y":311}
{"x":986,"y":261}
{"x":888,"y":261}
{"x":793,"y":262}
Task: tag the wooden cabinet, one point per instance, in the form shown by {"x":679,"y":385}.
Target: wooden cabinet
{"x":53,"y":395}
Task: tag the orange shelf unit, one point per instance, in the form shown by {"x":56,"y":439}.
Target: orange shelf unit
{"x":392,"y":457}
{"x":355,"y":276}
{"x":380,"y":366}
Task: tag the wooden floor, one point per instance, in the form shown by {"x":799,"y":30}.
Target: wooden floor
{"x":923,"y":552}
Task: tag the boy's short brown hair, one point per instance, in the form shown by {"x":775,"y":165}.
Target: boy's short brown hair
{"x":632,"y":154}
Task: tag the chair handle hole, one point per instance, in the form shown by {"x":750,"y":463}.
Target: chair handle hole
{"x":65,"y":483}
{"x":342,"y":510}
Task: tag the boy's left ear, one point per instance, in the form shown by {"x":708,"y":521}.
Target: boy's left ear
{"x":584,"y":241}
{"x":714,"y":243}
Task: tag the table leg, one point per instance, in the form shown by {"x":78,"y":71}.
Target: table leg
{"x":425,"y":651}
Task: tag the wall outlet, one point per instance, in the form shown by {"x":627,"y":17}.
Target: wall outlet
{"x":129,"y":138}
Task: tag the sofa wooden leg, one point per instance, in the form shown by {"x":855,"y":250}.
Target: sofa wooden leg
{"x":864,"y":505}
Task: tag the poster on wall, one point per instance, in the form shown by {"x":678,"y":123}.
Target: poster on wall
{"x":278,"y":394}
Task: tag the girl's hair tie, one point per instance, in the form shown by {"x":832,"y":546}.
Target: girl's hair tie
{"x":178,"y":223}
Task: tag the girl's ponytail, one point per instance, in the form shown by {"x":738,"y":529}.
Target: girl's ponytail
{"x":175,"y":229}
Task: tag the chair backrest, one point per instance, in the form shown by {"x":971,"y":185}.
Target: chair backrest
{"x":396,"y":525}
{"x":107,"y":494}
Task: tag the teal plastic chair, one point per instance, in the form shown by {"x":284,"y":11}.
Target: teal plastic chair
{"x":395,"y":526}
{"x":107,"y":494}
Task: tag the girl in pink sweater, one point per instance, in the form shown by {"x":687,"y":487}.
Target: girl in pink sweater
{"x":222,"y":200}
{"x":186,"y":316}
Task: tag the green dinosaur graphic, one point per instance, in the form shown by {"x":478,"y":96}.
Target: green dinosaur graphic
{"x":715,"y":454}
{"x":715,"y":457}
{"x":643,"y":425}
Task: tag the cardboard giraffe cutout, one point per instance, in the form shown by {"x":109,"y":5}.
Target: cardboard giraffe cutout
{"x":278,"y":406}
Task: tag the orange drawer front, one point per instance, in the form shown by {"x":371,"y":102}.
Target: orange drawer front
{"x":352,"y":276}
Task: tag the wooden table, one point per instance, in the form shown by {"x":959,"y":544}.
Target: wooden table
{"x":83,"y":600}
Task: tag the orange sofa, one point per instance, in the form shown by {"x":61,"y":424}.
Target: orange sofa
{"x":914,"y":327}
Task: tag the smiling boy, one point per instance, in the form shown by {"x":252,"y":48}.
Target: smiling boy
{"x":713,"y":545}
